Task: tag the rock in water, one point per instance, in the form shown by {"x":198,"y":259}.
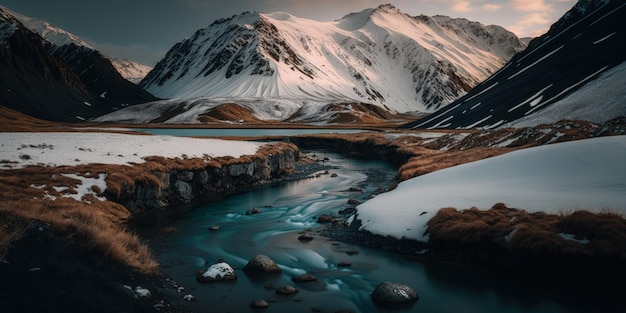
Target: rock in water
{"x":394,"y":293}
{"x":217,"y":272}
{"x":287,"y":290}
{"x":259,"y":304}
{"x":262,"y":263}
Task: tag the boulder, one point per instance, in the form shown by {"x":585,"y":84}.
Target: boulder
{"x":354,"y":201}
{"x":259,"y":304}
{"x":287,"y":290}
{"x":263,"y":264}
{"x":217,"y":272}
{"x":306,"y":237}
{"x":389,"y":292}
{"x":324,"y":218}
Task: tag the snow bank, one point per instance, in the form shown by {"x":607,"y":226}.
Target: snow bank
{"x":586,"y":174}
{"x":18,"y":150}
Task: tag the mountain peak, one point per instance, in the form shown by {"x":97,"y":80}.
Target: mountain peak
{"x":378,"y":56}
{"x":387,"y":8}
{"x":51,"y":33}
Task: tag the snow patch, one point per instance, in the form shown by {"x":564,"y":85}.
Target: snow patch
{"x":23,"y":149}
{"x":583,"y":174}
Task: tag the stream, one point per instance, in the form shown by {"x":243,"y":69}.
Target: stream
{"x":187,"y":246}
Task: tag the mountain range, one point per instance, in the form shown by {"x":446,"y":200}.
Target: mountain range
{"x":59,"y":77}
{"x":574,"y":71}
{"x":261,"y":68}
{"x":379,"y":56}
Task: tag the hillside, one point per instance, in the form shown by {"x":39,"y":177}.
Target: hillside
{"x":574,"y":71}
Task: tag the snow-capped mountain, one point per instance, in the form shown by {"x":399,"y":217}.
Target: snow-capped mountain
{"x":131,"y":70}
{"x":380,"y":56}
{"x":71,"y":82}
{"x":575,"y":71}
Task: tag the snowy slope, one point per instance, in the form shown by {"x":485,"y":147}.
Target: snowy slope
{"x":48,"y":31}
{"x":576,"y":70}
{"x":585,"y":174}
{"x":132,"y":71}
{"x":380,"y":56}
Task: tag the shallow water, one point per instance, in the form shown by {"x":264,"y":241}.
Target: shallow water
{"x":291,"y":208}
{"x":241,"y":132}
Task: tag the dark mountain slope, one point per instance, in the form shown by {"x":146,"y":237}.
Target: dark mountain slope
{"x":584,"y":44}
{"x":36,"y":81}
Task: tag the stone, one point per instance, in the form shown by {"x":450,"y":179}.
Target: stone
{"x":306,"y":237}
{"x":354,"y":201}
{"x":214,"y":228}
{"x":259,"y":304}
{"x":347,"y":211}
{"x":389,"y":292}
{"x":221,"y":271}
{"x":184,"y":191}
{"x":263,"y":264}
{"x":253,"y":211}
{"x":287,"y":290}
{"x":324,"y":218}
{"x":304,"y":278}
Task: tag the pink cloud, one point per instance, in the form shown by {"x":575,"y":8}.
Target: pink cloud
{"x":461,"y":6}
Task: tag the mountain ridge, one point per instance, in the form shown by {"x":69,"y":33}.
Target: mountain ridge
{"x":359,"y":58}
{"x":68,"y":83}
{"x":553,"y":78}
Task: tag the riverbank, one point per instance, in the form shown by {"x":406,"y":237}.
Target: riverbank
{"x":543,"y":249}
{"x":69,"y":231}
{"x":415,"y":154}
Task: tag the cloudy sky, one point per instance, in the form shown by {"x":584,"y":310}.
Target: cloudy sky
{"x":143,"y":30}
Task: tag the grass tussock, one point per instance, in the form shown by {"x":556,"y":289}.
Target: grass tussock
{"x":579,"y":233}
{"x":92,"y":227}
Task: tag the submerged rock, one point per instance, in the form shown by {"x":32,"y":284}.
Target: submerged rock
{"x":304,"y":278}
{"x":217,"y":272}
{"x":263,"y":264}
{"x":306,"y":237}
{"x":287,"y":290}
{"x":389,"y":292}
{"x":259,"y":304}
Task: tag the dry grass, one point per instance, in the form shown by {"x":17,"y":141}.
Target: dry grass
{"x":33,"y":194}
{"x":604,"y":234}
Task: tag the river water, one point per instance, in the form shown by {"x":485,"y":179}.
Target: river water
{"x":291,"y":208}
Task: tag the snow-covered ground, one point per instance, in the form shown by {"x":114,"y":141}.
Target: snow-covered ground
{"x":586,"y":174}
{"x":18,"y":150}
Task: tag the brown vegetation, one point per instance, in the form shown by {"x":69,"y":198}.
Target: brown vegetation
{"x":594,"y":234}
{"x":37,"y":194}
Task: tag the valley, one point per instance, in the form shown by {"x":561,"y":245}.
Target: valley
{"x":376,"y":162}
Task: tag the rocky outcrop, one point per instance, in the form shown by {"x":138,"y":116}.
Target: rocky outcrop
{"x":171,"y":192}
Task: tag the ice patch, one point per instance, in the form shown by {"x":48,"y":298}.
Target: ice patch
{"x":572,"y":237}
